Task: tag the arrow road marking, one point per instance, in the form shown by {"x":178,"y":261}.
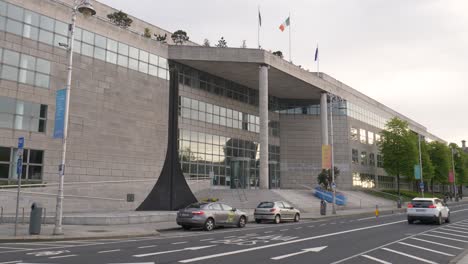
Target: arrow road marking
{"x":306,"y":250}
{"x":172,"y":251}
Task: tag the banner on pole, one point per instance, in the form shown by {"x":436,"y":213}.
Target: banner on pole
{"x":326,"y":157}
{"x":451,"y":176}
{"x":417,"y":172}
{"x":60,"y":99}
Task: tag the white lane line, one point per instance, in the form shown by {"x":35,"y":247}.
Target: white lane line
{"x":311,"y":226}
{"x":410,"y":256}
{"x":251,"y":234}
{"x":322,"y":224}
{"x":151,"y":246}
{"x":332,"y":223}
{"x":11,"y":262}
{"x":342,"y":222}
{"x":284,"y":230}
{"x":460,"y":226}
{"x":298,"y":228}
{"x":427,"y":249}
{"x":178,"y":243}
{"x":287,"y":242}
{"x":435,"y":243}
{"x":456,"y":227}
{"x":107,"y":251}
{"x":229,"y":236}
{"x":206,"y":239}
{"x":448,"y":238}
{"x":65,"y":256}
{"x":11,"y":248}
{"x":376,"y":259}
{"x":453,"y":230}
{"x":267,"y":232}
{"x":450,"y":234}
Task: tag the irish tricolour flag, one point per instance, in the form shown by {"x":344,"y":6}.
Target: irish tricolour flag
{"x":285,"y":24}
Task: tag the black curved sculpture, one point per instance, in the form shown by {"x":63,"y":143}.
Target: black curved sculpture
{"x":171,"y":191}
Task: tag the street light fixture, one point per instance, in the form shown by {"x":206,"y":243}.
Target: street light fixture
{"x":333,"y":98}
{"x":86,"y":8}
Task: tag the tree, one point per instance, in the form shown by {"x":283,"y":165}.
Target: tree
{"x":244,"y":44}
{"x":278,"y":53}
{"x":460,"y":162}
{"x":161,"y":38}
{"x":222,"y":43}
{"x":398,"y":149}
{"x":179,"y":37}
{"x":147,"y":33}
{"x":206,"y":43}
{"x":325,"y":178}
{"x":428,"y":169}
{"x":120,"y":18}
{"x":440,"y":158}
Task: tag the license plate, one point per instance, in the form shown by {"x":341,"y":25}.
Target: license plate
{"x":420,"y":210}
{"x":184,"y":214}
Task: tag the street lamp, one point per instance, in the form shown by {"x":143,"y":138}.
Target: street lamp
{"x":85,"y":8}
{"x":420,"y":165}
{"x":332,"y":169}
{"x":453,"y":170}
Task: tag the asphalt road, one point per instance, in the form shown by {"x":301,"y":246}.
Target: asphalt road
{"x":353,"y":239}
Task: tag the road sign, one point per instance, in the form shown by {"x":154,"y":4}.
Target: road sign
{"x":21,"y":142}
{"x":421,"y":185}
{"x":333,"y":185}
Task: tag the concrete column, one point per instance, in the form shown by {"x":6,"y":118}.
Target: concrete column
{"x":324,"y":118}
{"x":263,"y":108}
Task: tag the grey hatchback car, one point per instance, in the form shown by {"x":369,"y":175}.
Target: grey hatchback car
{"x":276,"y":212}
{"x":210,"y":215}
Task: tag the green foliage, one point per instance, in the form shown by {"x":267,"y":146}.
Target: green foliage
{"x":393,"y":195}
{"x":325,"y":178}
{"x":278,"y":53}
{"x":147,"y":33}
{"x":222,"y":43}
{"x":398,"y":148}
{"x":161,"y":38}
{"x":427,"y":167}
{"x":120,"y":18}
{"x":206,"y":43}
{"x":460,"y":159}
{"x":440,"y":156}
{"x":179,"y":37}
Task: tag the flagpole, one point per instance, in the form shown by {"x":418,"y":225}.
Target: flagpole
{"x":318,"y":62}
{"x":258,"y":27}
{"x":290,"y":60}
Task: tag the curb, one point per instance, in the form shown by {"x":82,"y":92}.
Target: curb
{"x":459,"y":257}
{"x":68,"y":238}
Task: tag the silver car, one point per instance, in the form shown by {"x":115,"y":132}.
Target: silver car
{"x":276,"y":212}
{"x":428,"y":209}
{"x":210,"y":215}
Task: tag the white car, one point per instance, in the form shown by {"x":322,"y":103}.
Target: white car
{"x":428,"y":209}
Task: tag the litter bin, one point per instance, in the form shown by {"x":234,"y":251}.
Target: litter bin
{"x":323,"y":207}
{"x":35,"y":219}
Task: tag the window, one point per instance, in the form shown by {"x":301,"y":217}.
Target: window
{"x":379,"y":161}
{"x":372,"y":159}
{"x":33,"y":161}
{"x":24,"y":70}
{"x":370,"y":138}
{"x":363,"y":136}
{"x":355,"y":156}
{"x":354,"y":133}
{"x":22,"y":115}
{"x":377,"y":138}
{"x":364,"y":158}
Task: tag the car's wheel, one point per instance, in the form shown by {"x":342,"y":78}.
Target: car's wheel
{"x":186,"y":227}
{"x":447,"y":220}
{"x":297,"y":217}
{"x":439,"y":220}
{"x":209,"y":224}
{"x":242,"y":222}
{"x":410,"y":221}
{"x":277,"y":219}
{"x":258,"y":221}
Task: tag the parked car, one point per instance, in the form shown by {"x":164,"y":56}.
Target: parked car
{"x":276,"y":212}
{"x":428,"y":209}
{"x":210,"y":215}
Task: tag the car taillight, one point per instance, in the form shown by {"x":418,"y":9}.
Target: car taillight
{"x":432,"y":206}
{"x":273,"y":210}
{"x":198,"y":213}
{"x":410,"y":205}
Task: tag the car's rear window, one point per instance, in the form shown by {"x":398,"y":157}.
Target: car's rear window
{"x":266,"y":205}
{"x":421,"y":203}
{"x":197,"y":205}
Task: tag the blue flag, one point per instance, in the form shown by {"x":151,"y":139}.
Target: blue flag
{"x":316,"y":53}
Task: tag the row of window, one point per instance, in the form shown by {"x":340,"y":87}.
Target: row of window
{"x":309,"y":107}
{"x":33,"y":161}
{"x":22,"y":115}
{"x":23,"y":68}
{"x":365,"y":137}
{"x":366,"y":160}
{"x":29,"y":24}
{"x":366,"y":116}
{"x":366,"y":180}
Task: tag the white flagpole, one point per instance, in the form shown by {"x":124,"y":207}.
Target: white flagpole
{"x":318,"y":61}
{"x":258,"y":26}
{"x":290,"y":60}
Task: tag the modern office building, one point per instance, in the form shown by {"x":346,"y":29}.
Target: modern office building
{"x":246,"y":118}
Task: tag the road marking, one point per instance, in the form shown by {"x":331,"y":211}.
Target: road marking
{"x":448,"y":238}
{"x":178,"y":243}
{"x":65,"y":256}
{"x":148,"y":246}
{"x":445,"y":233}
{"x":107,"y":251}
{"x":229,"y":236}
{"x":457,"y":211}
{"x":376,"y":259}
{"x":316,"y":249}
{"x":311,"y":226}
{"x":435,"y":243}
{"x":409,"y":256}
{"x":287,"y":242}
{"x":284,"y":230}
{"x":251,"y":234}
{"x":342,"y":222}
{"x":460,"y":226}
{"x":171,"y":251}
{"x":427,"y":249}
{"x":207,"y":239}
{"x":267,"y":232}
{"x":11,"y":248}
{"x":452,"y":230}
{"x":10,"y":262}
{"x":322,"y":224}
{"x":456,"y":227}
{"x":298,"y":228}
{"x":333,"y":223}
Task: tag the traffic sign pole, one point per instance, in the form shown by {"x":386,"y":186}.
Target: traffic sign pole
{"x":19,"y":172}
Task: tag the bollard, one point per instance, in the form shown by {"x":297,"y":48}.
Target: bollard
{"x":376,"y":210}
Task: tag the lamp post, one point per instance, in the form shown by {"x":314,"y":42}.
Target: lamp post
{"x":453,"y":170}
{"x":84,"y":7}
{"x":332,"y":169}
{"x":420,"y":165}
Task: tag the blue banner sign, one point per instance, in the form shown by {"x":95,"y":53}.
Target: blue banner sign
{"x":61,"y":97}
{"x":417,"y":172}
{"x":21,"y":142}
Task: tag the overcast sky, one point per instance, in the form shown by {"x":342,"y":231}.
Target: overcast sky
{"x":411,"y":55}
